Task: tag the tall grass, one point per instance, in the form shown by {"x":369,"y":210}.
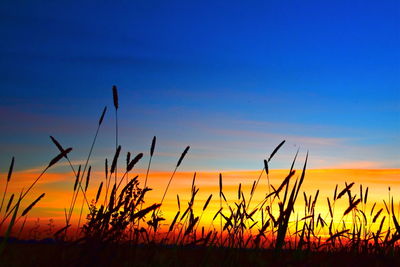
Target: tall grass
{"x":120,"y":215}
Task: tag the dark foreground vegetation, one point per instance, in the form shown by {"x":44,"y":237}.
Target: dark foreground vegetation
{"x":23,"y":254}
{"x":122,"y":229}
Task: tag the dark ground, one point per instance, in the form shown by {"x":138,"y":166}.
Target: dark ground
{"x":52,"y":254}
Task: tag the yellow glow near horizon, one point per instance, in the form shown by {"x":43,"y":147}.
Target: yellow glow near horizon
{"x":58,"y":189}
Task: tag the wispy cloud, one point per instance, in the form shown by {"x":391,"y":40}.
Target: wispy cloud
{"x":358,"y":165}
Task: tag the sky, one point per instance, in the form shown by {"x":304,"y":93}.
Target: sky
{"x":232,"y":79}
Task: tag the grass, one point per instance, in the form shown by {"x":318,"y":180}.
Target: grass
{"x":120,"y":221}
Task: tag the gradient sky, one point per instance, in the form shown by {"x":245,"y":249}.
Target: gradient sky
{"x":232,"y":79}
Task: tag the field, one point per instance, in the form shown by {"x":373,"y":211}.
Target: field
{"x":67,"y":255}
{"x":117,"y":226}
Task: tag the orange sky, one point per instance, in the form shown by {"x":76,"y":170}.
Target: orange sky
{"x":58,"y":189}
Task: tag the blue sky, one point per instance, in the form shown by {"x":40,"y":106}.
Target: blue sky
{"x":231,"y":79}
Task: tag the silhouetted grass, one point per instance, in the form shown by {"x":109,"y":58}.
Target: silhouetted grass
{"x":119,"y":218}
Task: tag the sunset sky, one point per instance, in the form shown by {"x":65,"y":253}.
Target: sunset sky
{"x":230,"y":79}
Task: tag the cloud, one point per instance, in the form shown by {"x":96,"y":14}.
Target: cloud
{"x":296,"y":139}
{"x":358,"y":165}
